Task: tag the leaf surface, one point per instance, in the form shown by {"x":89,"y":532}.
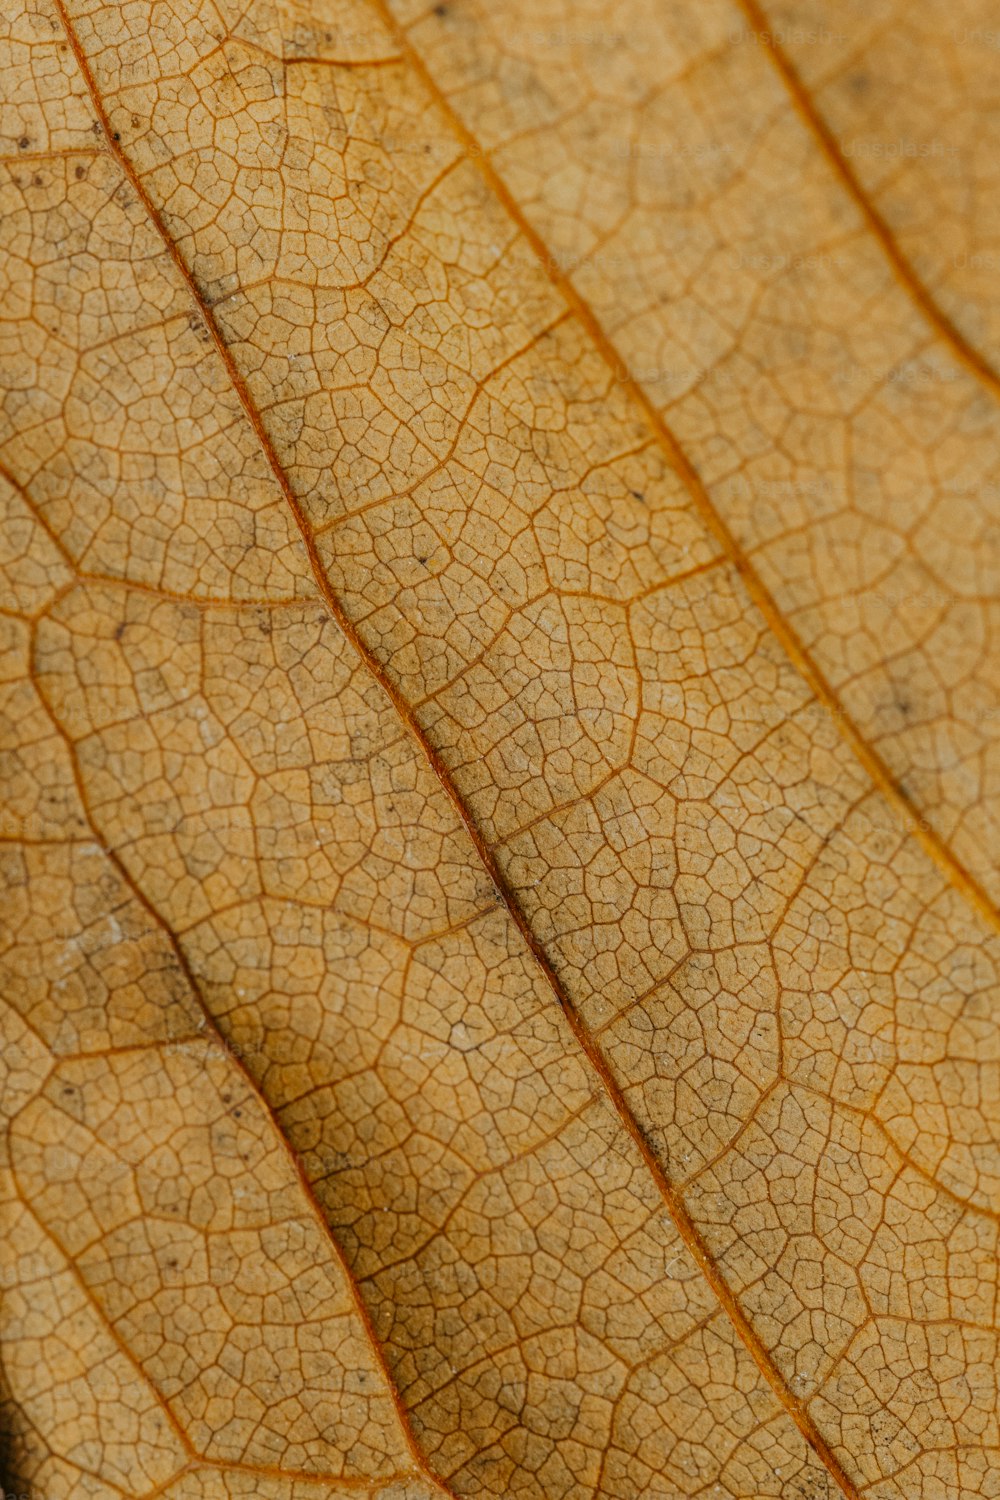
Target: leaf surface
{"x":499,"y":947}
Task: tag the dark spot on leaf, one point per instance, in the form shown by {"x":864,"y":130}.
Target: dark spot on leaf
{"x":11,"y":1451}
{"x":24,"y":143}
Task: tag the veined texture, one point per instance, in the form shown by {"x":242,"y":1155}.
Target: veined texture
{"x":501,"y":751}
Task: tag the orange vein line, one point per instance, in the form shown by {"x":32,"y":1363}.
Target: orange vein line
{"x":879,"y":772}
{"x":677,"y":1209}
{"x":921,"y":295}
{"x":86,"y":1292}
{"x":212,"y":1030}
{"x":685,"y":1226}
{"x":333,"y":604}
{"x":683,"y":1222}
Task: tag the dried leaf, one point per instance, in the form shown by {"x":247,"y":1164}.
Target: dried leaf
{"x":501,"y":750}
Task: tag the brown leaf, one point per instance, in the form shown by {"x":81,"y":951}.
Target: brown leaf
{"x":501,"y":757}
